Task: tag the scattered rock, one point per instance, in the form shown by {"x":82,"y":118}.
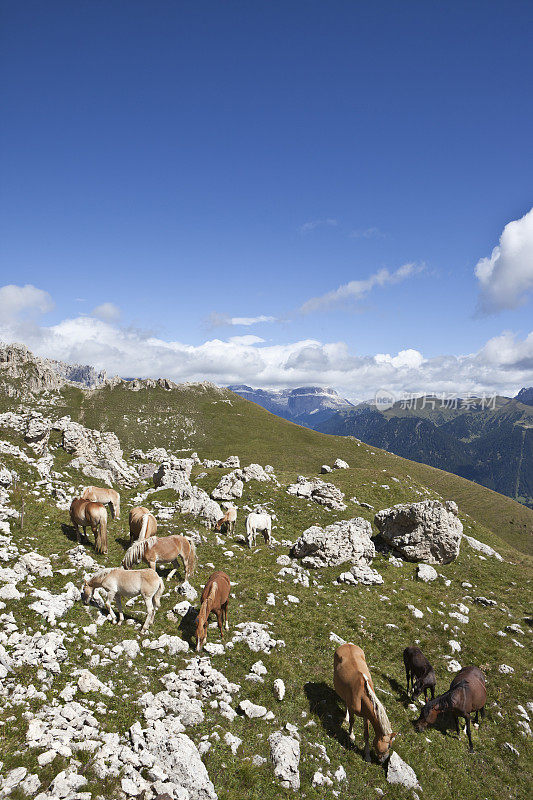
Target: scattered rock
{"x":426,"y":573}
{"x":285,"y":755}
{"x":400,"y":772}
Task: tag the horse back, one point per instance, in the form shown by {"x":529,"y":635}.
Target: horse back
{"x":472,"y":680}
{"x":223,"y":585}
{"x":349,"y":669}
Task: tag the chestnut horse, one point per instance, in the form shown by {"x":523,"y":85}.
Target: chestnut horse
{"x":108,"y":497}
{"x":142,"y":523}
{"x":229,"y":519}
{"x":467,"y":693}
{"x":214,"y":598}
{"x":86,"y":513}
{"x":353,"y":684}
{"x":120,"y":583}
{"x":163,"y":549}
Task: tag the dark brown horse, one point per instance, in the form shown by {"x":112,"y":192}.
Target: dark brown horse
{"x":466,"y":694}
{"x":419,"y":671}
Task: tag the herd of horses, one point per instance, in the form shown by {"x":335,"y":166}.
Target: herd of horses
{"x":351,"y":677}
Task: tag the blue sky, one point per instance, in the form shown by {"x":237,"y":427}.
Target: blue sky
{"x":180,"y":165}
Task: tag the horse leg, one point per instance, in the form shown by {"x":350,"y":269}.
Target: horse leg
{"x":407,"y":676}
{"x":367,"y":741}
{"x":150,"y":612}
{"x":432,"y":688}
{"x":351,"y":719}
{"x":118,"y":603}
{"x":225,"y":610}
{"x":482,"y":712}
{"x":457,"y":727}
{"x":77,"y":533}
{"x":109,"y":606}
{"x":176,"y":567}
{"x":219,"y":621}
{"x":471,"y":747}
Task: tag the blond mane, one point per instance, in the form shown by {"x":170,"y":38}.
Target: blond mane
{"x":379,"y":709}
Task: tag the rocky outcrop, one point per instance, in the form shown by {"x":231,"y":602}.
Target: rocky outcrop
{"x":96,"y":454}
{"x":23,"y":373}
{"x":346,"y":541}
{"x":190,"y":499}
{"x":428,"y":531}
{"x":325,"y":494}
{"x":229,"y":487}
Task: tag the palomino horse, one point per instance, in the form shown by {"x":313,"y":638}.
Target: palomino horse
{"x":258,"y":522}
{"x":143,"y":524}
{"x":120,"y":583}
{"x":353,"y":684}
{"x":105,"y":496}
{"x":467,"y":693}
{"x":84,"y":513}
{"x":166,"y":548}
{"x":214,"y":598}
{"x":229,"y":519}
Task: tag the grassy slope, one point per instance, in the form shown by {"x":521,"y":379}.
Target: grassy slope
{"x":218,"y":423}
{"x":442,"y":763}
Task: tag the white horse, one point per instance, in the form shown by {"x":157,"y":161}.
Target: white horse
{"x":258,"y":523}
{"x":120,"y":583}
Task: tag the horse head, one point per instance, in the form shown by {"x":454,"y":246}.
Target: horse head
{"x":428,"y":715}
{"x":87,"y":593}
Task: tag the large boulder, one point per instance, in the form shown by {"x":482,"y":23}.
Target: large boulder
{"x":428,"y":531}
{"x":344,"y":541}
{"x":325,"y":494}
{"x":229,"y":487}
{"x":38,"y":432}
{"x":172,"y":475}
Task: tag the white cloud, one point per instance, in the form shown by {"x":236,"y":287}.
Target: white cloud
{"x":17,"y":301}
{"x":217,"y":320}
{"x":506,"y":276}
{"x":307,"y":227}
{"x":356,"y":290}
{"x":109,"y":312}
{"x":503,"y":364}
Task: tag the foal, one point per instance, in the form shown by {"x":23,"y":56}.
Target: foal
{"x":229,"y":519}
{"x":418,"y":667}
{"x":120,"y":583}
{"x":164,"y":549}
{"x":353,"y":684}
{"x":467,"y":693}
{"x":214,"y":598}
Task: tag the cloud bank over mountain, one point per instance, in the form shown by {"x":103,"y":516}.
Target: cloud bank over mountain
{"x":503,"y":364}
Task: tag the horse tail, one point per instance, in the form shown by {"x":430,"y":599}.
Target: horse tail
{"x":101,"y":539}
{"x":144,"y":525}
{"x":137,"y":550}
{"x":379,"y":708}
{"x":116,"y":507}
{"x":160,"y":589}
{"x":192,"y":559}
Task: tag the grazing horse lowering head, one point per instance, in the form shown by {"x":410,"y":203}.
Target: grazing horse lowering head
{"x":201,"y":631}
{"x":87,"y":593}
{"x":429,"y":714}
{"x":382,"y":745}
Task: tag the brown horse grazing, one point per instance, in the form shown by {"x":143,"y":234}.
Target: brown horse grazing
{"x":418,"y":667}
{"x":353,"y":684}
{"x":142,"y":523}
{"x":214,"y":598}
{"x":229,"y":519}
{"x":163,"y":549}
{"x":467,"y":693}
{"x":108,"y":497}
{"x":120,"y":583}
{"x":84,"y":513}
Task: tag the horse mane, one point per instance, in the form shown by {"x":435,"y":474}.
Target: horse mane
{"x":379,"y":708}
{"x":136,"y":551}
{"x":446,"y":701}
{"x":99,"y":574}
